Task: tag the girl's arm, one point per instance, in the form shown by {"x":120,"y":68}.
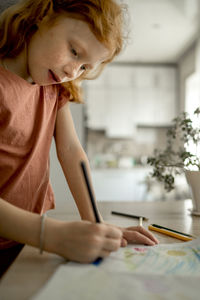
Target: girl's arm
{"x":19,"y":225}
{"x":70,"y":153}
{"x":78,"y":241}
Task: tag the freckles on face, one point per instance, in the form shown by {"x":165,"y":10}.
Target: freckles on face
{"x":68,"y":46}
{"x":54,"y":48}
{"x":43,"y":53}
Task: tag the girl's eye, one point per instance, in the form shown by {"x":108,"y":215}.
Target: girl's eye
{"x":83,"y":68}
{"x":74,"y":52}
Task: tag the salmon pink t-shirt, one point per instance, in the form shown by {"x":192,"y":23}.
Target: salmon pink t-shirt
{"x":27,"y":120}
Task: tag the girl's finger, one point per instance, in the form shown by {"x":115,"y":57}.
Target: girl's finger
{"x":148,"y":234}
{"x":113,"y":232}
{"x":112,"y":244}
{"x":104,"y":253}
{"x":143,"y":231}
{"x":137,"y":237}
{"x":123,"y":242}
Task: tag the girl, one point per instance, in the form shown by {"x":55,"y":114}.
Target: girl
{"x":47,"y":47}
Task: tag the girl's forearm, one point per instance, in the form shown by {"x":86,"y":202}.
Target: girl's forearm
{"x":70,"y":162}
{"x":24,"y":227}
{"x":78,"y":241}
{"x":19,"y":225}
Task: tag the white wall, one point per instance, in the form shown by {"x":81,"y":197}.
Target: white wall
{"x":188,"y":64}
{"x":186,"y":67}
{"x":59,"y":184}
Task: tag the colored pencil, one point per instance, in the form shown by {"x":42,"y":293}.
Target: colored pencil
{"x":92,"y":200}
{"x":128,"y":215}
{"x":171,"y":232}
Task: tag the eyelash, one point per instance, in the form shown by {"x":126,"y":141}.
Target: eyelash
{"x":74,"y":52}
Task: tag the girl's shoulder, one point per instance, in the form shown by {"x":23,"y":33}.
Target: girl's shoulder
{"x":8,"y":79}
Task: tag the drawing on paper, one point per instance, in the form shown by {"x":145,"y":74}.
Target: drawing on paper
{"x":162,"y":272}
{"x":174,"y":259}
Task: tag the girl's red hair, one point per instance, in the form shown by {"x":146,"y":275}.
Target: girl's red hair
{"x":19,"y":22}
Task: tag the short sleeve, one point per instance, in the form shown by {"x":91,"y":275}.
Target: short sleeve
{"x":63,"y":96}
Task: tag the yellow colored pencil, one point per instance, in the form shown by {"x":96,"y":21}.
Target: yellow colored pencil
{"x":170,"y":232}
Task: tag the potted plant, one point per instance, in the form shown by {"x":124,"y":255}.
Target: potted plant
{"x":180,"y":154}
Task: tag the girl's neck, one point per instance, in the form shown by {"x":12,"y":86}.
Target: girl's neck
{"x":18,"y":65}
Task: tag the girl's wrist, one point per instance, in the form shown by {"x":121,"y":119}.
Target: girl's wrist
{"x":42,"y":232}
{"x":51,"y":241}
{"x":91,"y":218}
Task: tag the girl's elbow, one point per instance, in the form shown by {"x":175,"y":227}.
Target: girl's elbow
{"x":70,"y":152}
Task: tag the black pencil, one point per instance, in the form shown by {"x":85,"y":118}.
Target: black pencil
{"x":128,"y":215}
{"x":92,"y":200}
{"x":175,"y":231}
{"x":85,"y":174}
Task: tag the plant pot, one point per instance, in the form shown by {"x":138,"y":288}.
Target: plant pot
{"x":193,"y":179}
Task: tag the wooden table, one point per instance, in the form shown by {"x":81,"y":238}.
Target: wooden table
{"x":31,"y":271}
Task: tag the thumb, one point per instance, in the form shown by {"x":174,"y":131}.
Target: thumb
{"x":123,"y":242}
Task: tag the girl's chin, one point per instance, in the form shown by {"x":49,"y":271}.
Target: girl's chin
{"x":38,"y":82}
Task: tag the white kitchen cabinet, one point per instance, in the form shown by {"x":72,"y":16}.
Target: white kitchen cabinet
{"x":120,"y":120}
{"x":124,"y":97}
{"x":120,"y":184}
{"x":96,"y":108}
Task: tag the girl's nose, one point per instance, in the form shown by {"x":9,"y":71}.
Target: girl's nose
{"x":72,"y":71}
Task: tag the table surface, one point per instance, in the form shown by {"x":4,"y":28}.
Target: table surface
{"x":31,"y":271}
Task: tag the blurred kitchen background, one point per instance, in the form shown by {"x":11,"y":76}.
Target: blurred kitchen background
{"x":130,"y":106}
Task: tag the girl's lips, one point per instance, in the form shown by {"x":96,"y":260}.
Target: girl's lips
{"x":54,"y":76}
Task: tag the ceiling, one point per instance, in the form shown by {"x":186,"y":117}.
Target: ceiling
{"x":160,"y":30}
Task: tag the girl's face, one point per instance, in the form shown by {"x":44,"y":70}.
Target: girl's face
{"x":62,"y":52}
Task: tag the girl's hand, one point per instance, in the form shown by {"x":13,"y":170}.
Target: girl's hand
{"x":137,"y":235}
{"x":81,"y":241}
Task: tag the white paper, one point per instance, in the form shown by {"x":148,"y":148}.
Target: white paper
{"x":175,"y":259}
{"x":162,"y":272}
